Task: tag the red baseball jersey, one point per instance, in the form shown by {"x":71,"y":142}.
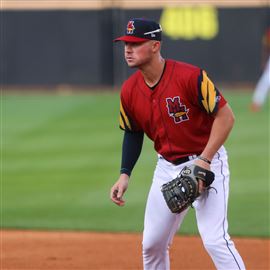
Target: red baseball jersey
{"x":177,"y":115}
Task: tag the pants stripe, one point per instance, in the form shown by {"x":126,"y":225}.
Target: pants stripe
{"x":224,"y":231}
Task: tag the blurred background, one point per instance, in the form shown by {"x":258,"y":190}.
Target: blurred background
{"x":60,"y":80}
{"x":48,"y":43}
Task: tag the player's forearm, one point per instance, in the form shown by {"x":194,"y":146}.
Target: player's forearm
{"x":131,"y":150}
{"x":220,"y":131}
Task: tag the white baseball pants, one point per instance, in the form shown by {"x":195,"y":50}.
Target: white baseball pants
{"x":160,"y":225}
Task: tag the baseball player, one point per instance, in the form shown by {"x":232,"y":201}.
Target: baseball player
{"x":179,"y":108}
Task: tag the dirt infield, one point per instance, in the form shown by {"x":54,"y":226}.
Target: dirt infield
{"x":105,"y":251}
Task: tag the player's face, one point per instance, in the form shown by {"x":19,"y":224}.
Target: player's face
{"x":138,"y":54}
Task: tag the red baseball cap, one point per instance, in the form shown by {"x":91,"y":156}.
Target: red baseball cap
{"x":140,"y":30}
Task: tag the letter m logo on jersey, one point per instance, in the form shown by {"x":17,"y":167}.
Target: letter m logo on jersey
{"x":178,"y":111}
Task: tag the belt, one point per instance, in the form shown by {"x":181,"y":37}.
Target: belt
{"x":181,"y":160}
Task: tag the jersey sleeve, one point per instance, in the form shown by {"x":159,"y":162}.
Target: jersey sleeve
{"x":209,"y":97}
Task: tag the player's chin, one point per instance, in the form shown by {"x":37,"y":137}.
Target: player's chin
{"x":132,"y":64}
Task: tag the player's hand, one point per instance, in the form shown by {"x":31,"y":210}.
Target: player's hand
{"x":206,"y":166}
{"x":118,"y":190}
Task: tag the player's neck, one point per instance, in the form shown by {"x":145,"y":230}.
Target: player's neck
{"x":153,"y":71}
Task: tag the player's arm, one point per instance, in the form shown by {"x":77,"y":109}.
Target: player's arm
{"x":131,"y":150}
{"x":214,"y":104}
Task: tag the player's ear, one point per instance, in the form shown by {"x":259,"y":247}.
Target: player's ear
{"x":156,"y":45}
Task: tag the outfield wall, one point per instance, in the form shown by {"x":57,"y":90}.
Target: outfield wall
{"x":51,"y":46}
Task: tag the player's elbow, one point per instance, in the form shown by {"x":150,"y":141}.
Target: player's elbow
{"x":231,"y":120}
{"x":227,"y":115}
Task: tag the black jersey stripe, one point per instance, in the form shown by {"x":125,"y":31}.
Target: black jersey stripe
{"x":124,"y":120}
{"x":123,"y":124}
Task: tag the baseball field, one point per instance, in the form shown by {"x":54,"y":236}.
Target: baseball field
{"x":60,"y":154}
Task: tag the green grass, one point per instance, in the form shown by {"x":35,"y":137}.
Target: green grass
{"x":61,"y":154}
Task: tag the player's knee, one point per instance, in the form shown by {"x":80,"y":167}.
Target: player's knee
{"x":211,"y":247}
{"x":153,"y":248}
{"x":219,"y":245}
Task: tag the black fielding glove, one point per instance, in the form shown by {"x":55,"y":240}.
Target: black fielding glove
{"x":182,"y":191}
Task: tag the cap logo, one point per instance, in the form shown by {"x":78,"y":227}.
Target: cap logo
{"x":130,"y":27}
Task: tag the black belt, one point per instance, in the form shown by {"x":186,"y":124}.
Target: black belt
{"x":181,"y":160}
